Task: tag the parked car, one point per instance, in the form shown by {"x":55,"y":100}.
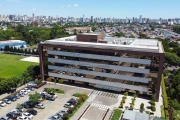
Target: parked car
{"x":68,"y":105}
{"x":18,"y":95}
{"x":40,"y":106}
{"x":29,"y":115}
{"x":24,"y":91}
{"x":7,"y":101}
{"x":5,"y":118}
{"x":27,"y":89}
{"x":30,"y":88}
{"x":50,"y":97}
{"x":21,"y":94}
{"x":17,"y":112}
{"x":12,"y":98}
{"x":55,"y":117}
{"x":2,"y":103}
{"x":63,"y":111}
{"x":22,"y":118}
{"x":28,"y":104}
{"x":73,"y":101}
{"x":52,"y":94}
{"x":60,"y":114}
{"x":11,"y":115}
{"x":20,"y":109}
{"x":33,"y":112}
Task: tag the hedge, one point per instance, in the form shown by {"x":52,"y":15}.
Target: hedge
{"x":165,"y":99}
{"x":164,"y":94}
{"x":162,"y":111}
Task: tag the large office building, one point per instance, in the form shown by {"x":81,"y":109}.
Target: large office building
{"x":120,"y":64}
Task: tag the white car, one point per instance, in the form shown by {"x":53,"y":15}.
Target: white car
{"x":68,"y":105}
{"x":2,"y":103}
{"x":24,"y":91}
{"x":28,"y":90}
{"x":22,"y":118}
{"x":7,"y":101}
{"x":29,"y":115}
{"x":40,"y":106}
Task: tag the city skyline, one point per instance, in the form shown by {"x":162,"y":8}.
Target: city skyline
{"x":118,"y":9}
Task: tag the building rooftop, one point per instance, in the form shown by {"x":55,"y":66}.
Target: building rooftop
{"x":129,"y":44}
{"x":132,"y":115}
{"x":11,"y":41}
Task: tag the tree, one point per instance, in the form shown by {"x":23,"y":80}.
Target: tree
{"x":120,"y":34}
{"x":34,"y":98}
{"x":173,"y":44}
{"x":131,"y":36}
{"x":172,"y":58}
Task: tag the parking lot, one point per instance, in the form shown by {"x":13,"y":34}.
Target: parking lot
{"x":51,"y":107}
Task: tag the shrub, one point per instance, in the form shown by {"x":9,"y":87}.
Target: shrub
{"x":131,"y":106}
{"x":53,"y":90}
{"x":153,"y":108}
{"x":123,"y":100}
{"x":77,"y":94}
{"x":38,"y":82}
{"x":126,"y":93}
{"x":142,"y":105}
{"x":124,"y":97}
{"x":60,"y":81}
{"x":121,"y":105}
{"x":152,"y":102}
{"x":147,"y":112}
{"x":135,"y":96}
{"x":153,"y":98}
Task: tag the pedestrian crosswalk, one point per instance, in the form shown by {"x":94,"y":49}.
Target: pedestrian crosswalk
{"x":100,"y":105}
{"x":107,"y":94}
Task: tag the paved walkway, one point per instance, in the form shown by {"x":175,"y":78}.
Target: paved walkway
{"x":80,"y":111}
{"x":7,"y":94}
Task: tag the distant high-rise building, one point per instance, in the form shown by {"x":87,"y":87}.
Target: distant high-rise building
{"x":83,"y":19}
{"x":140,"y":19}
{"x":127,"y":20}
{"x":92,"y":19}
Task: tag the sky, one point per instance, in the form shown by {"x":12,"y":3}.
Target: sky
{"x":154,"y":9}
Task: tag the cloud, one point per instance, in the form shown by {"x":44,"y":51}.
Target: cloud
{"x":69,"y":5}
{"x":34,"y":9}
{"x":75,"y":5}
{"x":1,"y":5}
{"x":62,"y":6}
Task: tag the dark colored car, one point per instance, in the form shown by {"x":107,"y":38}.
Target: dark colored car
{"x":12,"y":98}
{"x":30,"y":88}
{"x":73,"y":101}
{"x":11,"y":115}
{"x":33,"y":112}
{"x":28,"y":104}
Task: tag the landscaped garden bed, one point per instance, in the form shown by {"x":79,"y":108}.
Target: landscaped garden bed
{"x":82,"y":98}
{"x":53,"y":90}
{"x":116,"y":114}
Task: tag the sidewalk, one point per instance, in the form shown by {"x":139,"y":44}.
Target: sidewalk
{"x":80,"y":111}
{"x":7,"y":94}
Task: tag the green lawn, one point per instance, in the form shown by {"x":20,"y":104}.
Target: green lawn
{"x":11,"y":66}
